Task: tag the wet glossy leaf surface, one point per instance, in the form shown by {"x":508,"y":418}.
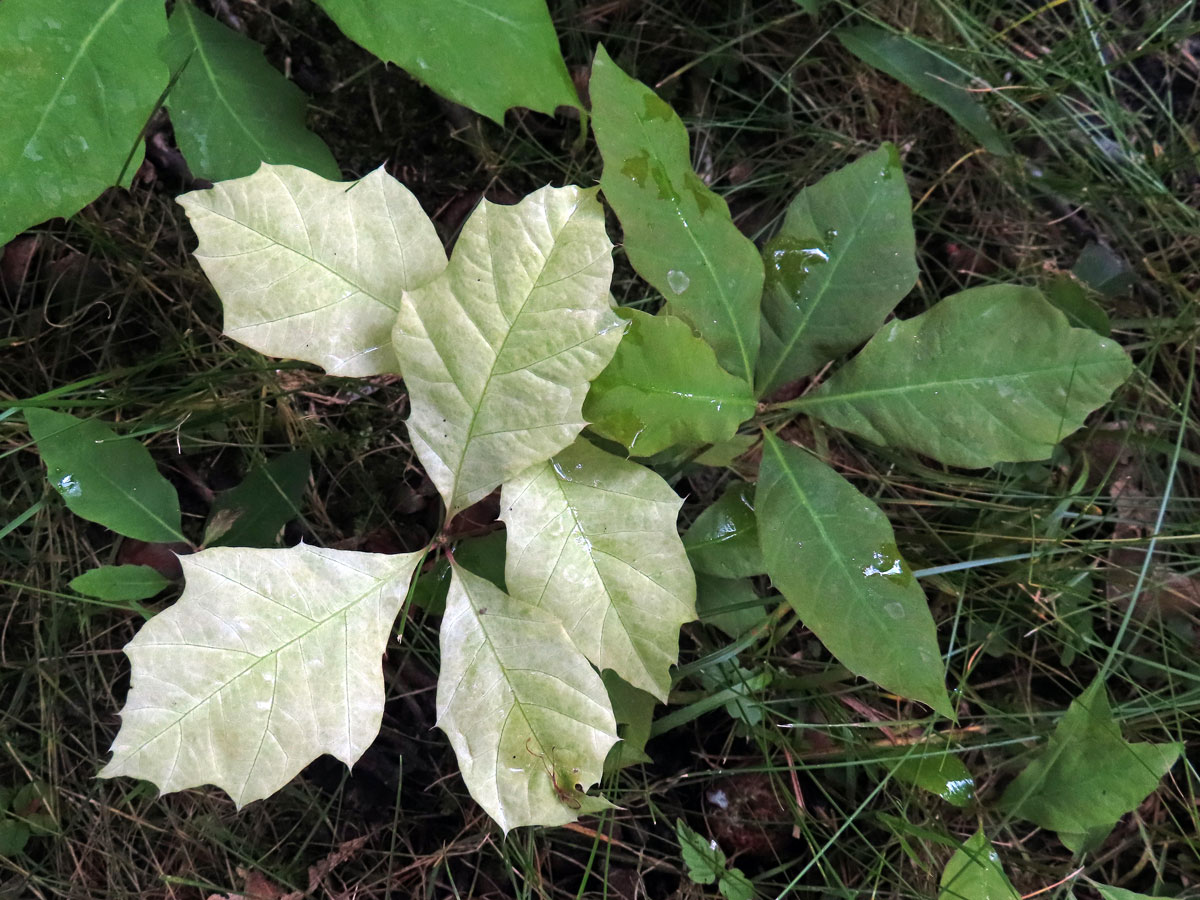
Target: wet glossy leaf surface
{"x":592,"y":538}
{"x":75,"y":91}
{"x":105,"y":478}
{"x":313,"y":269}
{"x":254,"y":513}
{"x":831,"y":552}
{"x":1088,"y":775}
{"x":120,"y":583}
{"x":269,"y":659}
{"x":678,"y":233}
{"x":499,"y":349}
{"x":975,"y":873}
{"x":527,"y":716}
{"x":723,"y":541}
{"x":993,"y":374}
{"x":928,"y":75}
{"x":942,"y":774}
{"x":663,"y":388}
{"x":488,"y":55}
{"x":231,"y":110}
{"x":845,"y":256}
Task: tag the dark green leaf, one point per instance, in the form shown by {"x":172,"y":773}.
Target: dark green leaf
{"x":678,"y":233}
{"x":1088,"y":775}
{"x":975,"y":873}
{"x":993,"y":374}
{"x":14,"y":836}
{"x":120,"y":583}
{"x":1069,"y":296}
{"x":724,"y":453}
{"x":723,"y":541}
{"x":663,"y":388}
{"x":78,"y":80}
{"x":482,"y":556}
{"x":730,"y":604}
{"x":254,"y":513}
{"x":845,"y":256}
{"x":831,"y":552}
{"x":1101,"y":269}
{"x":928,"y":75}
{"x":105,"y":478}
{"x":634,"y":711}
{"x":231,"y":110}
{"x":488,"y":55}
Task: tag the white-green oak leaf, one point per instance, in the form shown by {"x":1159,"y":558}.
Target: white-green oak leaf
{"x":312,"y":269}
{"x":527,"y":716}
{"x":593,"y":539}
{"x":269,"y":659}
{"x":498,"y":350}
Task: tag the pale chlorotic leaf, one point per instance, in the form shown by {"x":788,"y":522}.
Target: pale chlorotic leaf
{"x":1088,"y":775}
{"x":313,"y":269}
{"x":941,"y":773}
{"x":663,"y":388}
{"x":593,"y":539}
{"x":723,"y":541}
{"x":120,"y":583}
{"x":498,"y":350}
{"x":269,"y":659}
{"x":231,"y":110}
{"x":105,"y":478}
{"x":845,"y":256}
{"x":78,"y":81}
{"x":929,"y":76}
{"x":488,"y":55}
{"x":975,"y":873}
{"x":527,"y":716}
{"x":831,"y":552}
{"x":678,"y":233}
{"x":993,"y":374}
{"x":253,"y":513}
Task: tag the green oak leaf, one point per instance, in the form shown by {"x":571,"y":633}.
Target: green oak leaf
{"x":313,"y":269}
{"x":831,"y":552}
{"x":527,"y":716}
{"x":120,"y":583}
{"x":498,"y":350}
{"x":105,"y":478}
{"x":231,"y":110}
{"x":929,"y":76}
{"x":488,"y":55}
{"x":592,"y":539}
{"x":845,"y":256}
{"x":253,"y":513}
{"x":664,"y":388}
{"x":723,"y":541}
{"x":634,"y":712}
{"x":974,"y":872}
{"x":269,"y":659}
{"x":992,"y":374}
{"x":1088,"y":776}
{"x":78,"y":81}
{"x":678,"y":234}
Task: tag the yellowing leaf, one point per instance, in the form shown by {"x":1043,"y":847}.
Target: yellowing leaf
{"x":313,"y":269}
{"x":592,"y":538}
{"x":527,"y":716}
{"x":269,"y":659}
{"x":498,"y":350}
